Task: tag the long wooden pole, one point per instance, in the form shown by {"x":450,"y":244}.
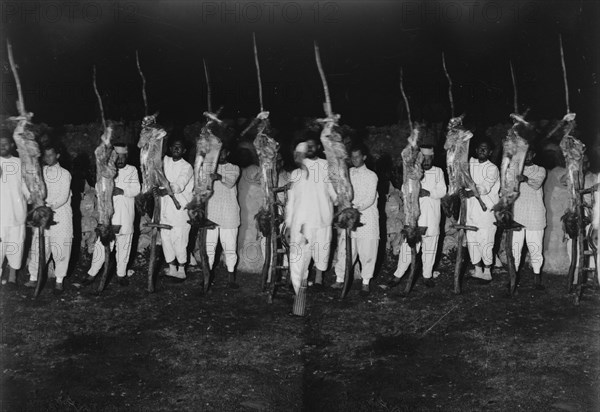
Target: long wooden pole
{"x":449,"y":85}
{"x":327,"y":107}
{"x":405,"y":101}
{"x":99,"y":98}
{"x":564,"y":70}
{"x":144,"y":96}
{"x":514,"y":83}
{"x":260,"y":95}
{"x":208,"y":91}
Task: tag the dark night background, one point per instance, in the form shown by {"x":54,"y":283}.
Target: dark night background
{"x":363,"y":44}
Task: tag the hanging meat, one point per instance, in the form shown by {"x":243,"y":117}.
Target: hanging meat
{"x":208,"y":147}
{"x":151,"y":150}
{"x":573,"y":150}
{"x":457,"y":161}
{"x":412,"y":159}
{"x":514,"y":149}
{"x":106,"y":170}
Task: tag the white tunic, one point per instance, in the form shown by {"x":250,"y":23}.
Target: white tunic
{"x":13,"y":192}
{"x":487,"y":179}
{"x":310,"y":198}
{"x":58,"y":198}
{"x":529,"y":207}
{"x":431,"y":212}
{"x":223,"y":207}
{"x":180,"y":176}
{"x":127,"y":179}
{"x":364,"y":185}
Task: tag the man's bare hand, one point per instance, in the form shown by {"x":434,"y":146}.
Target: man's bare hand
{"x":117,"y":191}
{"x":424,"y":193}
{"x":159,"y":192}
{"x":522,"y":178}
{"x":216,"y":176}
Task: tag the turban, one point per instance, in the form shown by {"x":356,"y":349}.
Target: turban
{"x":427,"y":151}
{"x":121,"y":149}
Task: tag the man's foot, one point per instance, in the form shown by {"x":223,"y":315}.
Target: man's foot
{"x":58,"y":289}
{"x":429,"y":283}
{"x":364,"y":290}
{"x":337,"y":285}
{"x":30,"y":284}
{"x":123,"y":281}
{"x":394,"y":282}
{"x":88,"y":281}
{"x":232,"y":283}
{"x":480,"y":281}
{"x":317,"y":287}
{"x":537,"y":282}
{"x":11,"y":285}
{"x":291,"y":314}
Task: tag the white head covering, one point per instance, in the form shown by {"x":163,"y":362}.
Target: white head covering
{"x":427,"y":151}
{"x":301,"y":147}
{"x":121,"y":149}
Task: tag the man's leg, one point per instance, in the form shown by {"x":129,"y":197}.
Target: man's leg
{"x":474,"y":247}
{"x":321,"y":247}
{"x":212,"y":238}
{"x":367,"y":253}
{"x":428,"y":253}
{"x":487,"y":253}
{"x":34,"y":257}
{"x":167,"y":238}
{"x":535,"y":245}
{"x":229,"y":244}
{"x":61,"y":251}
{"x":123,"y":245}
{"x":340,"y":265}
{"x":404,"y":259}
{"x":180,"y":237}
{"x":300,"y":256}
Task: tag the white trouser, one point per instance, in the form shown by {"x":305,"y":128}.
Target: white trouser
{"x":174,"y":243}
{"x":57,"y":248}
{"x":314,"y":243}
{"x":481,"y":244}
{"x":12,"y":243}
{"x":363,"y":249}
{"x":123,"y":243}
{"x":430,"y":245}
{"x":535,"y":245}
{"x":228,"y":240}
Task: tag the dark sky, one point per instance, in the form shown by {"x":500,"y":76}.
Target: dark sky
{"x":363,"y":45}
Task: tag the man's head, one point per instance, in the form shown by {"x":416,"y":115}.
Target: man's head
{"x":483,"y":150}
{"x":177,"y":149}
{"x":7,"y":146}
{"x":312,"y":147}
{"x":529,"y":157}
{"x":224,"y":155}
{"x":358,"y":156}
{"x":122,"y":154}
{"x":50,"y":155}
{"x":427,"y":151}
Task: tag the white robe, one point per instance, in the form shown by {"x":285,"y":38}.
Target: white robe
{"x":364,"y":185}
{"x":127,"y":179}
{"x":13,"y":193}
{"x":180,"y":176}
{"x":487,"y":179}
{"x":431,"y":212}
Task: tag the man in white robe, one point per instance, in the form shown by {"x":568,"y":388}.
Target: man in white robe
{"x":480,"y":243}
{"x":433,"y":188}
{"x":13,"y":209}
{"x":224,"y":210}
{"x":127,"y":187}
{"x":529,"y":210}
{"x":365,"y":239}
{"x":59,"y":237}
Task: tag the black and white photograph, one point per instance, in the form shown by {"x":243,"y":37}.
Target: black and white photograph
{"x":299,"y":205}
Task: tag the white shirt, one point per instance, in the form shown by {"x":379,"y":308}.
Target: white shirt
{"x":310,"y":198}
{"x":58,"y":198}
{"x":223,"y":207}
{"x":529,"y":209}
{"x":180,"y":176}
{"x":364,"y":185}
{"x":487,"y":180}
{"x":431,"y":211}
{"x":13,"y":206}
{"x":127,"y":179}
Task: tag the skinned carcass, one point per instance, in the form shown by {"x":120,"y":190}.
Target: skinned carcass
{"x":412,"y":159}
{"x":514,"y":149}
{"x":106,"y":170}
{"x":457,"y":161}
{"x":151,"y":150}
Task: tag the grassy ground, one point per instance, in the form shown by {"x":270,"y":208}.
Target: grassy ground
{"x":229,"y":350}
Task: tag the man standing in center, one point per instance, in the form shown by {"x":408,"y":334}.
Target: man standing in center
{"x":365,"y":239}
{"x":433,"y":188}
{"x":224,"y":210}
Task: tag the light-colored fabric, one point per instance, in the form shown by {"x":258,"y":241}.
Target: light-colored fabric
{"x":364,"y":185}
{"x":481,"y":244}
{"x":56,"y":248}
{"x":127,"y":179}
{"x":179,"y":174}
{"x":223,"y":207}
{"x":13,"y":193}
{"x":535,"y":245}
{"x":431,"y":211}
{"x":123,"y":244}
{"x":529,"y":207}
{"x":12,"y":245}
{"x":310,"y":243}
{"x":310,"y":198}
{"x":363,"y":249}
{"x":228,"y":240}
{"x":486,"y":178}
{"x":58,"y":198}
{"x":429,"y":244}
{"x":175,"y":242}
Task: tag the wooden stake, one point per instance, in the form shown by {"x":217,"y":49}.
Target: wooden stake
{"x":405,"y":101}
{"x":260,"y":95}
{"x":144,"y":96}
{"x":514,"y":82}
{"x":449,"y":84}
{"x":41,"y":262}
{"x":99,"y":98}
{"x":564,"y":70}
{"x":13,"y":67}
{"x":328,"y":109}
{"x":208,"y":93}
